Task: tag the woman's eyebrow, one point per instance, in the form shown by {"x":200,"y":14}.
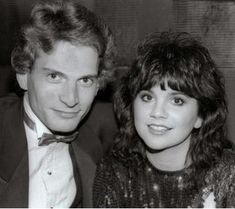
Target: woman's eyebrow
{"x":177,"y":93}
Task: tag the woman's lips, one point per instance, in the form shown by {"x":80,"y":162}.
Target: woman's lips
{"x":158,"y":129}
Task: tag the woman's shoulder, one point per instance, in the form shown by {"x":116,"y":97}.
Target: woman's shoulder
{"x":116,"y":165}
{"x":113,"y":162}
{"x":228,"y":156}
{"x":221,"y":179}
{"x":219,"y":183}
{"x":225,"y":166}
{"x":110,"y":162}
{"x":110,"y":171}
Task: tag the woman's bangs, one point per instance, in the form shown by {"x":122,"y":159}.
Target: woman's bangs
{"x":172,"y":76}
{"x":177,"y":84}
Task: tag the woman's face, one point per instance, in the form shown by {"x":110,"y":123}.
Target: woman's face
{"x":165,"y":118}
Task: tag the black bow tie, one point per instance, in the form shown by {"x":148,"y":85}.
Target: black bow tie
{"x":47,"y":138}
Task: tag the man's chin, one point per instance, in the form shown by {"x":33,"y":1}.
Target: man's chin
{"x":63,"y":129}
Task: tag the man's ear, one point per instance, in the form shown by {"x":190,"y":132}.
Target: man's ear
{"x":97,"y":87}
{"x":22,"y":80}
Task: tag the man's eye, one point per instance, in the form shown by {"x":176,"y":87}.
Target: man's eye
{"x":54,"y":77}
{"x":178,"y":101}
{"x":86,"y":82}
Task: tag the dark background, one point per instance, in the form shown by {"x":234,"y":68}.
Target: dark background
{"x":131,"y":20}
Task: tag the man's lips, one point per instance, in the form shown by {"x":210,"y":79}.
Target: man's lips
{"x":67,"y":114}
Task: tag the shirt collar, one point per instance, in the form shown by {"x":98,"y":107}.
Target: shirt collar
{"x":39,"y":128}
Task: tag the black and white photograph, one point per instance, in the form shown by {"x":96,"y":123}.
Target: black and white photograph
{"x":117,"y":104}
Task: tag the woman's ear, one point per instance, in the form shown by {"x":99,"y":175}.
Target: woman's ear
{"x":22,"y":80}
{"x":198,"y":123}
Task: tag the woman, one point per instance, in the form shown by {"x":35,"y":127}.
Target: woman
{"x":171,"y":111}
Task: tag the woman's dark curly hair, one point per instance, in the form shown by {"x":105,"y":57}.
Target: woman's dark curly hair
{"x":187,"y":66}
{"x":62,"y":20}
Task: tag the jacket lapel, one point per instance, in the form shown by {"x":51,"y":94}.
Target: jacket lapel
{"x":14,"y":156}
{"x":87,"y":151}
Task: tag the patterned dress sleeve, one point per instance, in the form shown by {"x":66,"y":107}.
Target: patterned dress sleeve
{"x":230,"y":200}
{"x":230,"y":189}
{"x":224,"y":181}
{"x":106,"y":188}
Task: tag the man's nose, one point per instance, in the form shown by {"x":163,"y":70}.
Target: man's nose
{"x":159,"y":110}
{"x":69,"y":95}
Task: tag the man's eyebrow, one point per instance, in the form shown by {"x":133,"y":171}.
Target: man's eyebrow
{"x":89,"y":76}
{"x":51,"y":69}
{"x":61,"y":73}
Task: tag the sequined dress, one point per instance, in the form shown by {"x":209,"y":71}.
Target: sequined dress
{"x":118,"y":184}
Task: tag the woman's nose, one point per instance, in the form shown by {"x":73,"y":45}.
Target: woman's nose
{"x":159,"y":110}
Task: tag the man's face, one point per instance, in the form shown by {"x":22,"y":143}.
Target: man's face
{"x":62,"y":85}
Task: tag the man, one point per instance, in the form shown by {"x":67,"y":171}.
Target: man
{"x":60,"y":59}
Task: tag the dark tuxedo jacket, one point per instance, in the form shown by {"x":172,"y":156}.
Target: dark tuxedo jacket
{"x":94,"y":139}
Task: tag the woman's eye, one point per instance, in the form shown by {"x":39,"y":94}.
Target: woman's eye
{"x":178,"y":101}
{"x":146,"y":97}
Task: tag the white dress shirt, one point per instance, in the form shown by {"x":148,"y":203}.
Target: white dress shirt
{"x":51,"y":180}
